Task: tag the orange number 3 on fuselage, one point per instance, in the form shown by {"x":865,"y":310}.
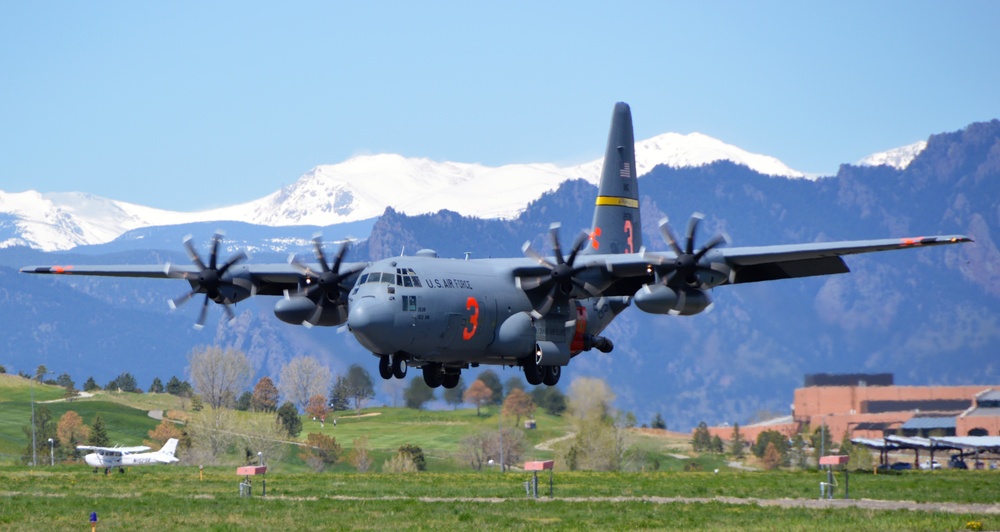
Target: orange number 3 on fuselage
{"x":468,"y":332}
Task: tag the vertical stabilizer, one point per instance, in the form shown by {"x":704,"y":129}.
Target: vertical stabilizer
{"x":617,"y":227}
{"x":170,"y":447}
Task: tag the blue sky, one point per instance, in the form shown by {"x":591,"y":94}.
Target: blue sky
{"x":191,"y":105}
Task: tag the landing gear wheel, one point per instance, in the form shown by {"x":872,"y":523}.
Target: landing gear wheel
{"x":450,"y":380}
{"x":433,"y":375}
{"x":551,"y":374}
{"x":532,"y":373}
{"x":384,"y":370}
{"x":398,"y":366}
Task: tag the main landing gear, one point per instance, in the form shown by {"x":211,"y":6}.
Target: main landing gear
{"x":535,"y":374}
{"x":435,"y":375}
{"x":392,"y":366}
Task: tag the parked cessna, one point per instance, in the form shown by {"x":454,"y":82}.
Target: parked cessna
{"x":111,"y":457}
{"x":536,"y":312}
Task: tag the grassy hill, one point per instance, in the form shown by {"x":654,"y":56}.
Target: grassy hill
{"x":439,"y":433}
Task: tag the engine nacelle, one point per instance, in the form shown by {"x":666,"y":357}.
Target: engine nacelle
{"x":515,"y":337}
{"x":551,"y":354}
{"x":662,"y":299}
{"x":298,"y":309}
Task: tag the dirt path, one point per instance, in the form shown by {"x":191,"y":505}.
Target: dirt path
{"x":547,"y":444}
{"x":868,"y":504}
{"x":80,"y":395}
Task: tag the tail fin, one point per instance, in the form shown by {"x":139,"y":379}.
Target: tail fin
{"x":617,"y":227}
{"x":170,"y":447}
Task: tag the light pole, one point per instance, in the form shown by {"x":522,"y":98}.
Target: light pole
{"x":34,"y":443}
{"x":500,"y":428}
{"x":52,"y":452}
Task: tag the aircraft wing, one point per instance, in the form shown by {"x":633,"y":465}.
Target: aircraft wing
{"x":133,"y":449}
{"x":761,"y":263}
{"x":768,"y":263}
{"x":269,"y":279}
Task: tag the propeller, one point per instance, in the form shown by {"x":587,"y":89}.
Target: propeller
{"x":686,"y":266}
{"x":209,"y":279}
{"x":561,"y":278}
{"x":328,"y":283}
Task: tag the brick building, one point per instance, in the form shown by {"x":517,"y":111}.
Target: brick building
{"x":871,"y":405}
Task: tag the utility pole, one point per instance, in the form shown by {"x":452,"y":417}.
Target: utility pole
{"x":500,"y":429}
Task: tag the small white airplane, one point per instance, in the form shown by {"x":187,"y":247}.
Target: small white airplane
{"x":110,"y":457}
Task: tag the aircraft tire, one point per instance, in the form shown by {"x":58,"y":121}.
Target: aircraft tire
{"x":532,"y":373}
{"x":450,"y":380}
{"x":384,"y":370}
{"x":398,"y":367}
{"x":551,"y":374}
{"x":433,"y":375}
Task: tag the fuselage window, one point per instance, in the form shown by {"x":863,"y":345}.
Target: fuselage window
{"x":363,"y":279}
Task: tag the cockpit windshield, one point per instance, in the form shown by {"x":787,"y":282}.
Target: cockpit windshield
{"x":377,"y":277}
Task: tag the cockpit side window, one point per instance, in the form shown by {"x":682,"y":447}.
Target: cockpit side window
{"x":407,"y":277}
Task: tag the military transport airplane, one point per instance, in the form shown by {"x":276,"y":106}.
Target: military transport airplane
{"x":111,"y":457}
{"x":536,"y":312}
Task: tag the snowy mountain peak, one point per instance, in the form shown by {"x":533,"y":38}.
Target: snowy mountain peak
{"x":677,"y":150}
{"x":359,"y":188}
{"x":898,"y":158}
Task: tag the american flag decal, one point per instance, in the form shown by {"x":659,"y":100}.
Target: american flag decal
{"x":625,"y":171}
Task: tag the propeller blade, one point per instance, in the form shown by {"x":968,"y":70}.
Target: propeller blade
{"x":192,"y":253}
{"x":668,"y":236}
{"x":340,"y":257}
{"x":229,"y":312}
{"x":714,"y":242}
{"x":202,"y":315}
{"x":550,"y":299}
{"x":233,"y":260}
{"x":530,"y":283}
{"x":692,"y":227}
{"x":589,"y":288}
{"x":531,"y":253}
{"x":578,"y":243}
{"x":554,"y":236}
{"x":318,"y":252}
{"x":213,"y":258}
{"x":314,"y":318}
{"x":176,"y":302}
{"x":170,"y":271}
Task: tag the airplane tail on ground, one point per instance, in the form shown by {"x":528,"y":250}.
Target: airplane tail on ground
{"x":169,"y":450}
{"x":617,"y":227}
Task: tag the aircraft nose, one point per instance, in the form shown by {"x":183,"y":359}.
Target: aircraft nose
{"x":371,"y":321}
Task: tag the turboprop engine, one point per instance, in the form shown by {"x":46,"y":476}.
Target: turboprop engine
{"x":299,"y":310}
{"x":662,"y":299}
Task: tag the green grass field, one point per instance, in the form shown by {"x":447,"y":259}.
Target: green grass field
{"x":450,"y":494}
{"x":174,"y":497}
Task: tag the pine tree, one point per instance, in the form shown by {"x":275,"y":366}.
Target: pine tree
{"x":289,"y":418}
{"x":91,"y":385}
{"x":736,"y":445}
{"x":702,"y":438}
{"x":99,"y":433}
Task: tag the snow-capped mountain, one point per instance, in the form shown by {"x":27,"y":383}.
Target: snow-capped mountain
{"x":357,"y":189}
{"x":898,"y":158}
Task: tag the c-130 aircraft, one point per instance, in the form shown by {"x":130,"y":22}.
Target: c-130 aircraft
{"x":536,"y":312}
